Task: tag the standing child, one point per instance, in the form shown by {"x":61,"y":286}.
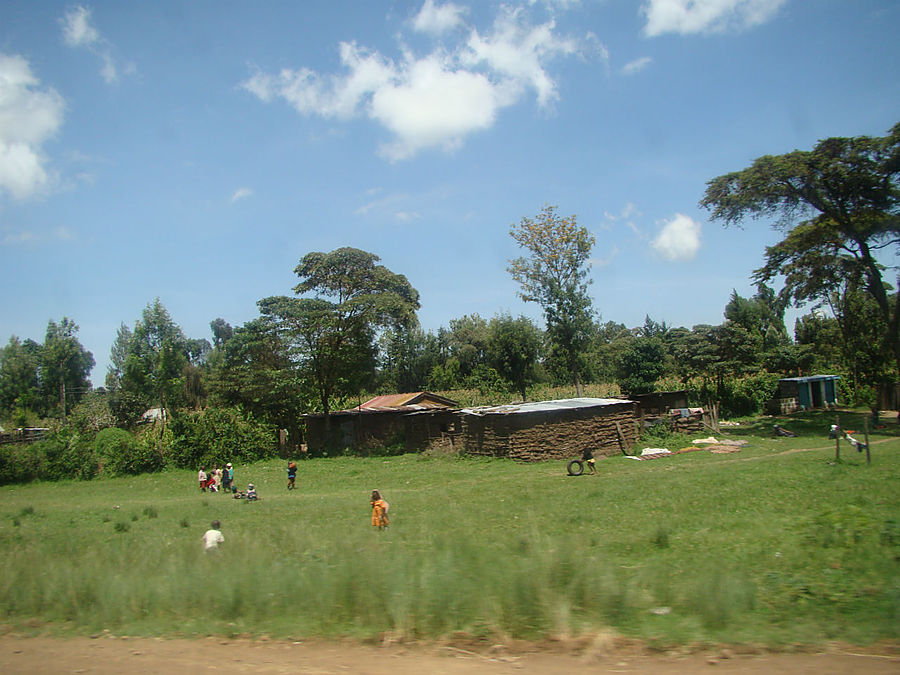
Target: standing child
{"x":213,"y":537}
{"x":292,"y":474}
{"x":201,"y":476}
{"x":588,"y":457}
{"x":228,"y":479}
{"x":379,"y":511}
{"x":217,"y":477}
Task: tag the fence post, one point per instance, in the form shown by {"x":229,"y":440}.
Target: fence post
{"x":837,"y":439}
{"x":866,"y":432}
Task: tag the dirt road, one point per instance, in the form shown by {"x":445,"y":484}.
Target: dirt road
{"x":115,"y":655}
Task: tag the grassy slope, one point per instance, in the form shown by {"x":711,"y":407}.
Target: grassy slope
{"x":752,"y":547}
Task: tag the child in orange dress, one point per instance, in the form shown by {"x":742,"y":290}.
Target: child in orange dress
{"x":379,"y":511}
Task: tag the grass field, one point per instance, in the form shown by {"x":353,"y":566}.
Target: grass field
{"x":763,"y":546}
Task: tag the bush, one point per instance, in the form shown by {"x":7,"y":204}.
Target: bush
{"x":120,"y":453}
{"x":218,"y":435}
{"x":744,"y":396}
{"x":70,"y":455}
{"x":92,"y":414}
{"x":21,"y":463}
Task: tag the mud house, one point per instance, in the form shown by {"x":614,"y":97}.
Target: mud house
{"x":411,"y":421}
{"x":550,"y":429}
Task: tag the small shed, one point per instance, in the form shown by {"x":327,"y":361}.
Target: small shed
{"x":803,"y":393}
{"x":557,"y":429}
{"x":411,"y":420}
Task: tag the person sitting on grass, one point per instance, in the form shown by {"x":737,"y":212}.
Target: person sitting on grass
{"x":250,"y":495}
{"x":379,"y":511}
{"x":213,"y":537}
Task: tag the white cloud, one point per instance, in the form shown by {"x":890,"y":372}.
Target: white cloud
{"x":627,"y":215}
{"x":29,"y":116}
{"x":14,"y":238}
{"x":518,"y":51}
{"x":78,"y":31}
{"x":434,"y":107}
{"x":430,"y":101}
{"x":77,"y":28}
{"x":607,"y":259}
{"x":636,"y":66}
{"x":406,"y":216}
{"x":60,"y":233}
{"x":697,"y":16}
{"x":438,"y":18}
{"x":241,"y":193}
{"x":679,"y":239}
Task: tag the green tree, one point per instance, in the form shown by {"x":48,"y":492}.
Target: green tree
{"x":256,"y":373}
{"x":157,"y":353}
{"x":514,"y":349}
{"x":838,"y":205}
{"x":554,"y":275}
{"x":468,"y":339}
{"x":19,"y":388}
{"x":403,"y":362}
{"x":640,"y":365}
{"x":118,"y":354}
{"x":65,"y":365}
{"x":332,"y":331}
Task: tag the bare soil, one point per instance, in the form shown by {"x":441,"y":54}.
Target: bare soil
{"x":109,"y":655}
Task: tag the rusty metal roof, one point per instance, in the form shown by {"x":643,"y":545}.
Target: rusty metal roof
{"x":418,"y":400}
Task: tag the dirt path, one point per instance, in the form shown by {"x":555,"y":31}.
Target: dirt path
{"x":113,"y":656}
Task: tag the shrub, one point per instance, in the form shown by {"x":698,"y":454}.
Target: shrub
{"x":21,"y":463}
{"x":120,"y":453}
{"x":217,"y":435}
{"x":70,"y":455}
{"x":92,"y":414}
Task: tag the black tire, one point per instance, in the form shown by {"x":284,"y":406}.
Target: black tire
{"x":575,"y":467}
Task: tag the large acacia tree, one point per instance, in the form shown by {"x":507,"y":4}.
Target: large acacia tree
{"x":348,"y":298}
{"x":838,"y":205}
{"x":554,"y":275}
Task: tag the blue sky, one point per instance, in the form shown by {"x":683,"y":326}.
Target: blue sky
{"x":195,"y":151}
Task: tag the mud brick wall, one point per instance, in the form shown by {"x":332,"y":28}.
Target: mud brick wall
{"x":425,"y":430}
{"x":556,"y":434}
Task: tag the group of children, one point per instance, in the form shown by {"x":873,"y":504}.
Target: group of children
{"x":217,"y":479}
{"x":213,"y":537}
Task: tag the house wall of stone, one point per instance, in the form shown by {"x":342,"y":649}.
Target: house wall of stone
{"x":557,"y":434}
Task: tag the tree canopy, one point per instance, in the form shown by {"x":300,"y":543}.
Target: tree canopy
{"x":554,"y":275}
{"x":332,"y":330}
{"x":838,"y":204}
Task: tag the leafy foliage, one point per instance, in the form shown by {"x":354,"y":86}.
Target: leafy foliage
{"x":849,"y":187}
{"x":331,"y":334}
{"x":120,"y":453}
{"x":219,"y":435}
{"x":554,"y":275}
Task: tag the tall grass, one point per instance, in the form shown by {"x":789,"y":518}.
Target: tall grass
{"x":757,"y":547}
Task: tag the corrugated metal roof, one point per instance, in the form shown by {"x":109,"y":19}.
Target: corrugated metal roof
{"x":390,"y":400}
{"x":545,"y":406}
{"x":810,"y":378}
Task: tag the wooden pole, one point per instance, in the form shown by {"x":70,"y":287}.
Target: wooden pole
{"x":866,"y":432}
{"x":621,"y":439}
{"x":837,"y":439}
